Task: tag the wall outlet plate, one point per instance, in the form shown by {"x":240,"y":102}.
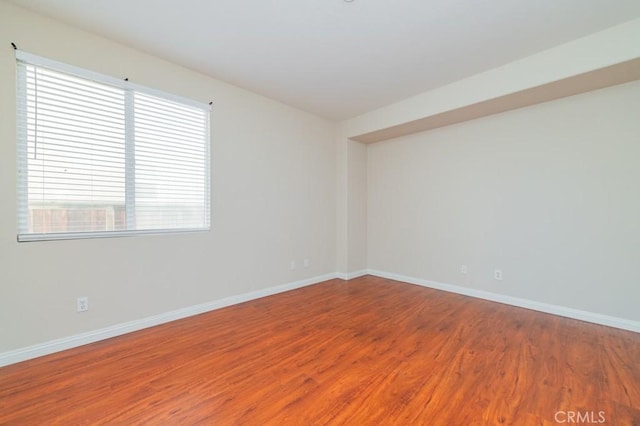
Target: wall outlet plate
{"x":497,"y":274}
{"x":82,"y":304}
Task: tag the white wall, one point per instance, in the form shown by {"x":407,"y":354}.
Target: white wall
{"x":547,"y":193}
{"x":273,"y":200}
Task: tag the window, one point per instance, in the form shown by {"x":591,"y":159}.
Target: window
{"x":102,"y":157}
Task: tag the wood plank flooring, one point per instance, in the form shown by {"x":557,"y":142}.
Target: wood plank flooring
{"x":369,"y":351}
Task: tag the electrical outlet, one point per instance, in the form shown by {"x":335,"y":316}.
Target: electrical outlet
{"x":305,"y":263}
{"x":292,"y":265}
{"x":497,"y":274}
{"x":463,"y":269}
{"x":82,"y":304}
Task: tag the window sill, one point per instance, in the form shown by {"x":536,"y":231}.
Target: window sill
{"x":23,"y":238}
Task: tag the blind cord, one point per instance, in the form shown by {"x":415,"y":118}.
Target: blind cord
{"x":36,"y":118}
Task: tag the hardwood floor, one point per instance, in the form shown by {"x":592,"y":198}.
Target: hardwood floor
{"x":367,"y":351}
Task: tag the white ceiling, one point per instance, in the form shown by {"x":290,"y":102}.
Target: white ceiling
{"x":339,"y":59}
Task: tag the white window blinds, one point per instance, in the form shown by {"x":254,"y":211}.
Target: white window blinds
{"x":101,"y":157}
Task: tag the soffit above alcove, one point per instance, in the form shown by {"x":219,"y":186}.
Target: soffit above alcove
{"x":612,"y":75}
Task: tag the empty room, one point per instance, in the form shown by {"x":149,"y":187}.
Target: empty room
{"x":358,"y":212}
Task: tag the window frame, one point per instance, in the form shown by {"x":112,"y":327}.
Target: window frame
{"x":129,"y":152}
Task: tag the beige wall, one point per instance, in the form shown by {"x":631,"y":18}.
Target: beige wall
{"x":549,"y":194}
{"x":342,"y":251}
{"x":351,"y":213}
{"x":357,"y":207}
{"x":273,"y":201}
{"x":546,"y":193}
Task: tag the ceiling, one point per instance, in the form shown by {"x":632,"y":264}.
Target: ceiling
{"x":334,"y":58}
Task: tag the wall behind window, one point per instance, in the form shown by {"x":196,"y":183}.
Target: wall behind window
{"x":273,"y":200}
{"x":549,"y":194}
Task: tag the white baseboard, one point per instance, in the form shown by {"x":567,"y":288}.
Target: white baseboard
{"x":57,"y":345}
{"x":351,"y":275}
{"x":563,"y":311}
